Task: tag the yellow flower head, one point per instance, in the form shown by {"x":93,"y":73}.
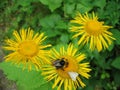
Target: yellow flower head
{"x":92,"y":31}
{"x":26,"y":48}
{"x":66,"y":68}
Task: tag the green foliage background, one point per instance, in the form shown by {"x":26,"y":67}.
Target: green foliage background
{"x":52,"y":17}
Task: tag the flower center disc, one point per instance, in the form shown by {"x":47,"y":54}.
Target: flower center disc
{"x":93,"y":27}
{"x":72,"y":67}
{"x":28,"y":48}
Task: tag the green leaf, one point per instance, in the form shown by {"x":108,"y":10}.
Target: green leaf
{"x":116,"y":35}
{"x":116,"y":77}
{"x":50,"y":21}
{"x":24,"y":3}
{"x":100,"y":3}
{"x":116,"y":63}
{"x":104,"y":75}
{"x":70,"y":1}
{"x":61,"y":25}
{"x":46,"y":86}
{"x":23,"y":78}
{"x":52,"y":4}
{"x":52,"y":24}
{"x":111,"y":47}
{"x":64,"y":38}
{"x":69,"y":8}
{"x":83,"y":8}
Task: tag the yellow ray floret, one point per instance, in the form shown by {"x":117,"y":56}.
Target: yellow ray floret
{"x":66,"y":68}
{"x":91,"y":32}
{"x":26,"y":48}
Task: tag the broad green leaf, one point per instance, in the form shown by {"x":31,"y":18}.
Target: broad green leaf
{"x":116,"y":63}
{"x":46,"y":86}
{"x":23,"y":78}
{"x":52,"y":4}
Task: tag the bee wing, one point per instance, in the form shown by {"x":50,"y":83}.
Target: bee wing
{"x":57,"y":64}
{"x":73,"y":75}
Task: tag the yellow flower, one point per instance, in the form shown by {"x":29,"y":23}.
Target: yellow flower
{"x":66,"y":68}
{"x":92,"y":31}
{"x":26,"y":48}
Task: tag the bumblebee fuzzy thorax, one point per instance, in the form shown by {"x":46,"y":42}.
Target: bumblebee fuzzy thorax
{"x":60,"y":63}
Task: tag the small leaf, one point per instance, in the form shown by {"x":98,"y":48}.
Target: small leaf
{"x":83,"y":8}
{"x":24,"y":3}
{"x":111,"y":47}
{"x":116,"y":35}
{"x":117,"y":77}
{"x":52,"y":4}
{"x":51,"y":24}
{"x":64,"y":38}
{"x":50,"y":21}
{"x":100,"y":3}
{"x":69,"y":8}
{"x":61,"y":25}
{"x":116,"y":63}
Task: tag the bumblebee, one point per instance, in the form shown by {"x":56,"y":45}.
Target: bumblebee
{"x":60,"y":63}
